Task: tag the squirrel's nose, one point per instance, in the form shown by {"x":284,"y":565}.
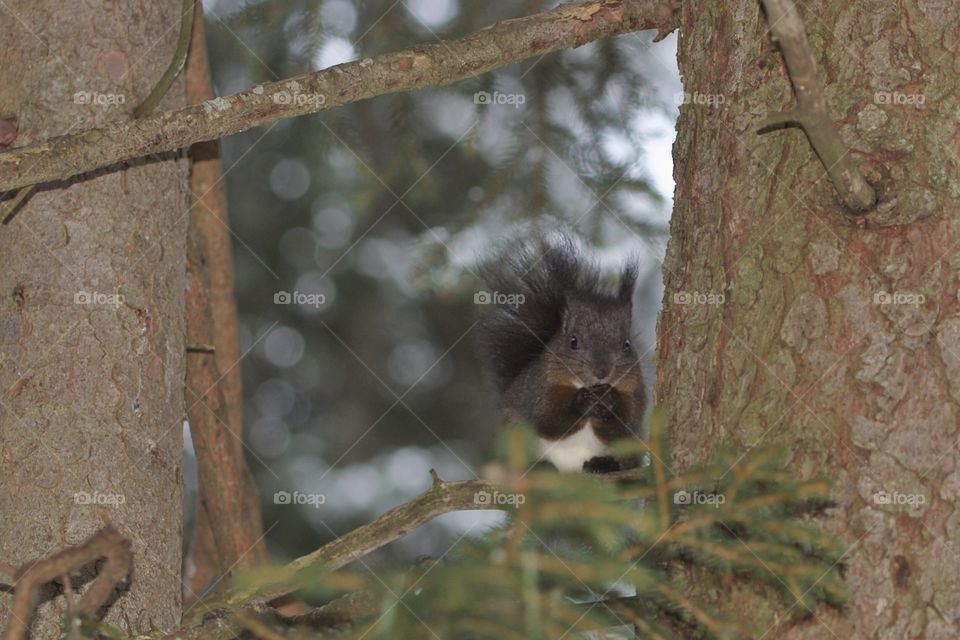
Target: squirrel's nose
{"x":601,"y":372}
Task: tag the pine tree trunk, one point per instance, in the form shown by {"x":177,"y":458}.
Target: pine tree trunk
{"x":91,"y":309}
{"x":836,"y":340}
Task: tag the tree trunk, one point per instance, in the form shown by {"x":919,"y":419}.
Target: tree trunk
{"x":836,"y":338}
{"x":91,"y":311}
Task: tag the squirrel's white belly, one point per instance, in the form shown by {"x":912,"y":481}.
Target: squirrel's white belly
{"x":570,"y":453}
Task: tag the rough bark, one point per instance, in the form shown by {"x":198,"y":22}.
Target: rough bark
{"x":569,"y":25}
{"x":806,"y":349}
{"x":91,"y":310}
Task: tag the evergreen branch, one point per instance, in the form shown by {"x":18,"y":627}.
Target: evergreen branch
{"x":719,"y":628}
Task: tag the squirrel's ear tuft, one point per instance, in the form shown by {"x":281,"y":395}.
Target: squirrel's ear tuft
{"x":628,"y":281}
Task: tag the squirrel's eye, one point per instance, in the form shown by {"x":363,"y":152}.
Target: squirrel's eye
{"x":573,"y":342}
{"x":626,"y":345}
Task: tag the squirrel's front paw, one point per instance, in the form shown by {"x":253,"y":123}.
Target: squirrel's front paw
{"x":585,"y":401}
{"x":601,"y":464}
{"x":600,"y":401}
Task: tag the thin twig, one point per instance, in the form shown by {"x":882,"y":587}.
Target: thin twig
{"x":16,"y":201}
{"x":176,"y":64}
{"x":788,"y":32}
{"x":71,"y":599}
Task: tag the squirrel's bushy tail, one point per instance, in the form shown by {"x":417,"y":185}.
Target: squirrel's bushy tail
{"x":529,"y":284}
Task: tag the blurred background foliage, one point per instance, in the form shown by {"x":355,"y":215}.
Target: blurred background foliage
{"x":383,"y":207}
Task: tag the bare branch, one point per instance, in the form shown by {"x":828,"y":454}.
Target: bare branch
{"x":787,"y":30}
{"x":220,"y":470}
{"x":229,"y":531}
{"x":504,"y":43}
{"x":106,"y":543}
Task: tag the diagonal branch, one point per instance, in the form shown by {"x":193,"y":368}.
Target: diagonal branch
{"x":442,"y":497}
{"x":504,"y":43}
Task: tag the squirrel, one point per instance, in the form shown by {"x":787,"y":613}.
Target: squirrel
{"x":558,"y":345}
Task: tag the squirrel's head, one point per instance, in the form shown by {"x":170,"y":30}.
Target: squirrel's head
{"x":594,"y":343}
{"x":564,"y":318}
